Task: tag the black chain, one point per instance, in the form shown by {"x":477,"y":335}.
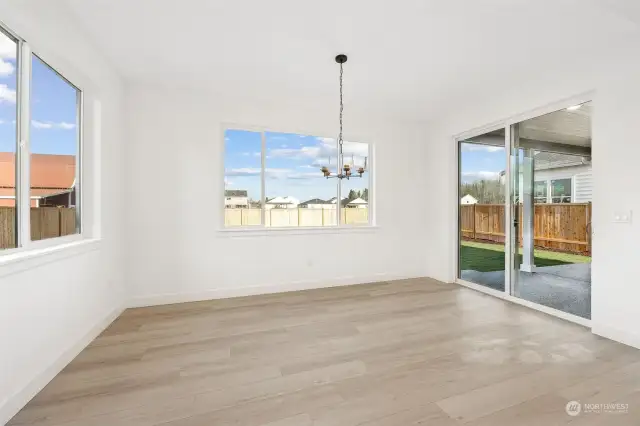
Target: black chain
{"x":341,"y":108}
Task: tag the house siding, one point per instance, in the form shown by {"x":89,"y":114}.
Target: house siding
{"x":582,"y":190}
{"x":583,"y":187}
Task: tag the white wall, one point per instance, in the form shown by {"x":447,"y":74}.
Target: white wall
{"x":616,"y":86}
{"x":176,"y":250}
{"x":50,"y":306}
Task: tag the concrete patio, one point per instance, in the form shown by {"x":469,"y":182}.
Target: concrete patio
{"x":563,"y":287}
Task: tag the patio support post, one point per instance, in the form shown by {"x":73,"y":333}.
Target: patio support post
{"x":527,"y":264}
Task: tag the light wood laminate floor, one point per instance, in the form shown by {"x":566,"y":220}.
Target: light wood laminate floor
{"x":394,"y":353}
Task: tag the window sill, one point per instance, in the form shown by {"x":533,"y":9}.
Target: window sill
{"x":259,"y":231}
{"x":27,"y":259}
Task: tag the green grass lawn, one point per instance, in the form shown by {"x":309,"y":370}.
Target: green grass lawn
{"x":485,"y":257}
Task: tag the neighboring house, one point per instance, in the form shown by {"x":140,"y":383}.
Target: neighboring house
{"x":358,"y":203}
{"x":282,"y":203}
{"x":52,"y":180}
{"x":236,"y":199}
{"x":468,"y":199}
{"x":333,"y":200}
{"x":316,"y":203}
{"x":562,"y":178}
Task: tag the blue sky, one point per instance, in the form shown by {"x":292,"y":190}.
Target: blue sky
{"x":479,"y":162}
{"x":53,"y":106}
{"x":292,"y":166}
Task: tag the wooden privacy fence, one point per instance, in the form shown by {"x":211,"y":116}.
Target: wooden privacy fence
{"x":46,"y":222}
{"x":295,"y":217}
{"x":561,"y":227}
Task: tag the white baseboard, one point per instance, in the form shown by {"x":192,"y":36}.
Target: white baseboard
{"x":225,"y":293}
{"x":17,"y":401}
{"x":613,"y":333}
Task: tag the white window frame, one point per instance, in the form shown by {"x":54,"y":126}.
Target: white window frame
{"x":262,"y":227}
{"x":24,"y":243}
{"x":550,"y":188}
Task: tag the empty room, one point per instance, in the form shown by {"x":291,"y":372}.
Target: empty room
{"x":332,"y":213}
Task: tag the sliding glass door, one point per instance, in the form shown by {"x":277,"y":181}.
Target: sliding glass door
{"x":551,"y":185}
{"x":524,"y":210}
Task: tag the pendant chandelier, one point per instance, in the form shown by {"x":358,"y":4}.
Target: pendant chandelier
{"x":346,"y":172}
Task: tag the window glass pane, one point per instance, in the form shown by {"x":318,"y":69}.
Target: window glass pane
{"x":540,"y":191}
{"x":54,"y":137}
{"x":242,"y":169}
{"x":297,"y":192}
{"x":561,"y":190}
{"x":355,"y":190}
{"x":8,"y":80}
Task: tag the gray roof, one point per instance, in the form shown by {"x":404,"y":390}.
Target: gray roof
{"x":235,"y":193}
{"x":314,"y":201}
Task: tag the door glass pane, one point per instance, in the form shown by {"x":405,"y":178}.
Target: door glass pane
{"x":8,"y":142}
{"x":482,"y":161}
{"x":553,"y":261}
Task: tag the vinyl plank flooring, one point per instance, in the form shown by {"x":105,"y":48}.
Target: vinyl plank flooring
{"x":398,"y":353}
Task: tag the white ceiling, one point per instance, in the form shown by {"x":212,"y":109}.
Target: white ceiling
{"x":564,"y":126}
{"x":407,"y":58}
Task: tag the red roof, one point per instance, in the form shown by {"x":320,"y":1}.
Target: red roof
{"x":47,"y":171}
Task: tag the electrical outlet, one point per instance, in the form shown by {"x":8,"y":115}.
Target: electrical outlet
{"x":622,"y":217}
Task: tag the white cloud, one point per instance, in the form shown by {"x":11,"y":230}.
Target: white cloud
{"x":486,"y":175}
{"x":8,"y":47}
{"x":244,"y":171}
{"x":324,"y":153}
{"x":66,"y":126}
{"x":469,"y":147}
{"x":7,"y":95}
{"x":6,"y":68}
{"x":51,"y":125}
{"x":41,"y":125}
{"x":254,"y":171}
{"x":305,"y":175}
{"x":305,"y":151}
